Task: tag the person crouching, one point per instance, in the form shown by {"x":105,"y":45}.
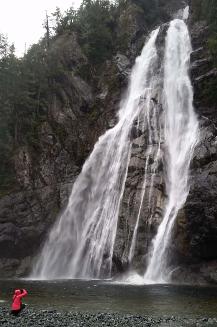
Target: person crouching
{"x":17,"y":304}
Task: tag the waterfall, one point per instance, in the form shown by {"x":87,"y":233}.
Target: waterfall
{"x":154,"y":137}
{"x":133,"y":242}
{"x":180,"y":136}
{"x":160,"y":98}
{"x":81,"y":242}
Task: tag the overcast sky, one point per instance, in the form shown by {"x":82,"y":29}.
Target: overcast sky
{"x":22,"y":20}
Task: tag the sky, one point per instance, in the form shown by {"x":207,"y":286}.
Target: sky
{"x":21,"y":20}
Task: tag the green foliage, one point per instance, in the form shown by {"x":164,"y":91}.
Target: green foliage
{"x":30,"y":99}
{"x":63,"y":22}
{"x":95,"y":25}
{"x":207,"y":10}
{"x":8,"y":77}
{"x":212,"y":45}
{"x":28,"y":84}
{"x":209,"y":91}
{"x":150,"y":7}
{"x":5,"y":49}
{"x":23,"y":101}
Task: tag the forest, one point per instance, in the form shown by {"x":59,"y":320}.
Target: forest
{"x":108,"y":170}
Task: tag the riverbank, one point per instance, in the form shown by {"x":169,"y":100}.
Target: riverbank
{"x":49,"y":318}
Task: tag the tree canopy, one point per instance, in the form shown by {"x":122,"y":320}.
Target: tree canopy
{"x":26,"y":84}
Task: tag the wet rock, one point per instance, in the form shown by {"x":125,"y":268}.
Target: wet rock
{"x":195,"y":237}
{"x":123,"y":65}
{"x":210,"y":74}
{"x":34,"y":317}
{"x":79,"y":112}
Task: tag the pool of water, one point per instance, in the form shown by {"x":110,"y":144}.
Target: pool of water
{"x":104,"y":296}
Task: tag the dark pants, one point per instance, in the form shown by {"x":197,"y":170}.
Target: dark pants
{"x":16,"y":312}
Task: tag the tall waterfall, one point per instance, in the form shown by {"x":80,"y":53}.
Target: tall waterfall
{"x":81,"y":243}
{"x":180,"y":133}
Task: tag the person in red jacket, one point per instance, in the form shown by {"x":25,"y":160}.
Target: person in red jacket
{"x":17,"y":304}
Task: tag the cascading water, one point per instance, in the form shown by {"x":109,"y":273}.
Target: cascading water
{"x":81,"y":243}
{"x":180,"y":134}
{"x":133,"y":242}
{"x":153,"y":130}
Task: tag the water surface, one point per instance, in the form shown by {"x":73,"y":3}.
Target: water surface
{"x":102,"y":296}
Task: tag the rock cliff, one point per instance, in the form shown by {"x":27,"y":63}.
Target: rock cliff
{"x":193,"y":244}
{"x":196,"y":226}
{"x":80,"y":110}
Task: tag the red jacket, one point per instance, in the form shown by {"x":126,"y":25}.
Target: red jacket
{"x":17,"y":302}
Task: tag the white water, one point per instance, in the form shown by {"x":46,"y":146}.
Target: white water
{"x":80,"y":245}
{"x":153,"y":130}
{"x":180,"y":133}
{"x":133,"y":242}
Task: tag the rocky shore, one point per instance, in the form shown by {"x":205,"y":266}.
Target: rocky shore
{"x":33,"y":317}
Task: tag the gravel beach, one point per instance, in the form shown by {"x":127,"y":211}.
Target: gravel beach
{"x":31,"y":317}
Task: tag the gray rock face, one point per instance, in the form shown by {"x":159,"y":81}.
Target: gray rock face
{"x":193,"y":246}
{"x":123,"y":65}
{"x":45,"y":176}
{"x":25,"y":219}
{"x":173,"y":7}
{"x":151,"y":206}
{"x":79,"y":113}
{"x":195,"y":236}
